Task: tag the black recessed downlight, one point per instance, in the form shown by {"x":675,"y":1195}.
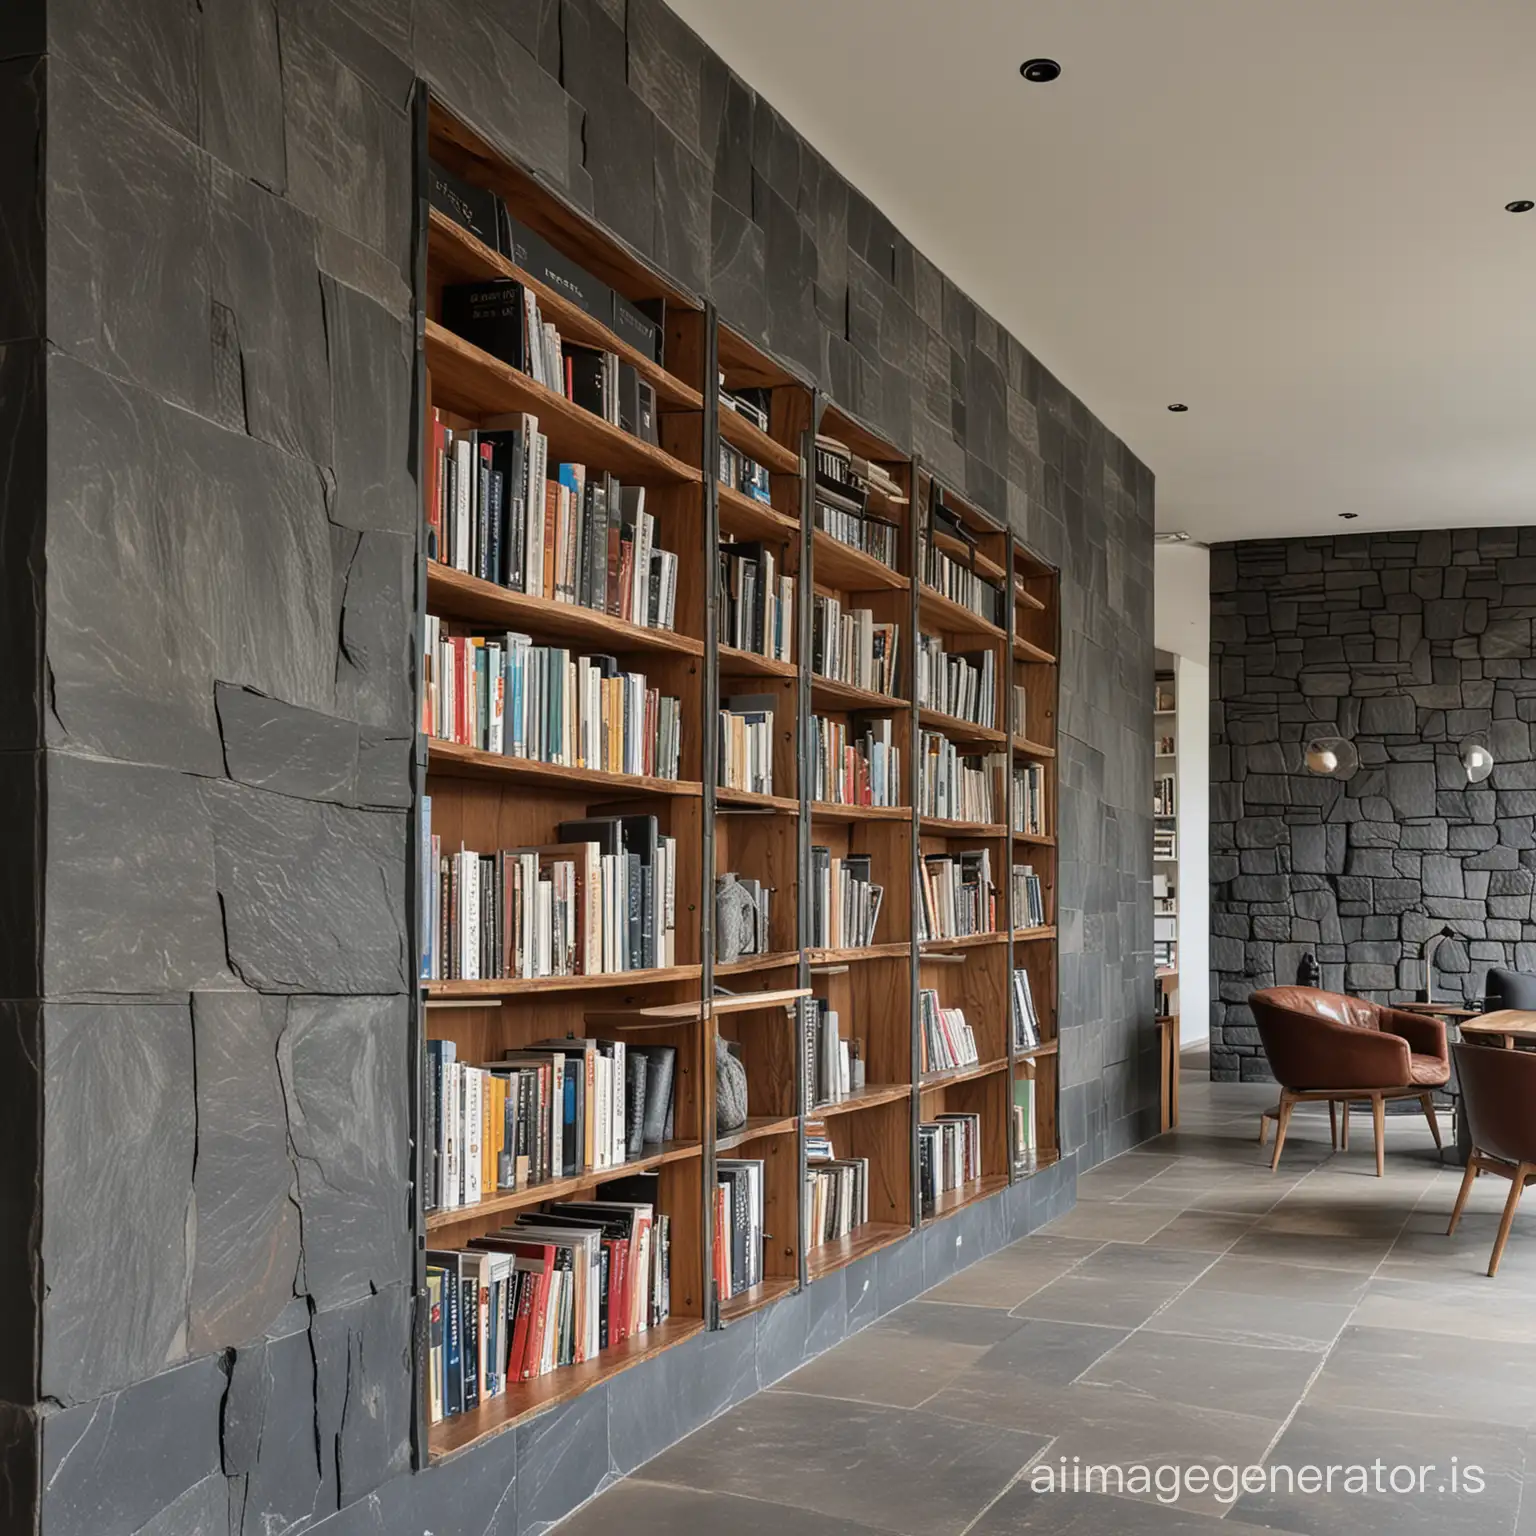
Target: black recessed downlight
{"x":1040,"y":71}
{"x":1520,"y":205}
{"x":1178,"y":409}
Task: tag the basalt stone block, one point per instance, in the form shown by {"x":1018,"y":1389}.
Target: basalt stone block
{"x":21,"y":1144}
{"x":621,"y":155}
{"x":155,"y":517}
{"x":247,"y":1239}
{"x":273,"y":745}
{"x":681,"y":238}
{"x":733,"y":145}
{"x":665,"y":64}
{"x":369,"y":395}
{"x":130,"y":226}
{"x":23,"y":446}
{"x":790,"y":251}
{"x":120,"y":1135}
{"x":562,"y":1460}
{"x":1411,"y":788}
{"x":130,"y":877}
{"x":342,"y":1063}
{"x":313,"y":896}
{"x":110,"y":1467}
{"x":241,"y":121}
{"x":738,"y":269}
{"x":149,"y":52}
{"x":374,"y":668}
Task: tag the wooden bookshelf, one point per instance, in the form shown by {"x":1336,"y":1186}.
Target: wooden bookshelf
{"x":754,"y":1003}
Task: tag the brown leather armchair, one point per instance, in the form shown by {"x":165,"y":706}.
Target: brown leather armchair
{"x":1498,"y":1094}
{"x":1323,"y":1045}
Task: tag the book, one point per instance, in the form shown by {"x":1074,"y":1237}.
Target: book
{"x":855,"y":762}
{"x":946,"y":1039}
{"x":956,"y":896}
{"x":844,"y":900}
{"x":848,"y":646}
{"x":957,"y":785}
{"x":961,"y":684}
{"x":747,"y":743}
{"x":946,"y":575}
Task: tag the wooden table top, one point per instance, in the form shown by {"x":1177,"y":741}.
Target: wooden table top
{"x":1508,"y":1023}
{"x":1438,"y":1010}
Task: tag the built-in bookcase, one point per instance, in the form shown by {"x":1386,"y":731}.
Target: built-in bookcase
{"x":720,"y":402}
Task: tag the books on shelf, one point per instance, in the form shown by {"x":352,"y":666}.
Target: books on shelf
{"x":876,"y":536}
{"x":600,"y":900}
{"x":502,"y":693}
{"x":1020,"y":710}
{"x":1028,"y":898}
{"x":746,"y":743}
{"x":827,"y":1058}
{"x":738,"y":1219}
{"x":848,"y":646}
{"x":1163,"y":802}
{"x":855,"y":764}
{"x":757,"y":603}
{"x":947,"y":1040}
{"x":845,"y":902}
{"x":849,"y":474}
{"x":744,"y":474}
{"x":1021,"y":1120}
{"x":948,"y":1155}
{"x":947,"y":576}
{"x":956,"y":896}
{"x":1163,"y":701}
{"x":955,"y":785}
{"x":1165,"y":844}
{"x":962,"y":684}
{"x":502,"y":316}
{"x":547,"y":1111}
{"x":554,"y":1288}
{"x":1029,"y":799}
{"x":573,"y":537}
{"x":836,"y":1191}
{"x":1026,"y":1022}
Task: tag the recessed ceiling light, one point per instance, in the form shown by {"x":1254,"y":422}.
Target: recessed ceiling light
{"x":1040,"y":71}
{"x":1520,"y":205}
{"x":1349,"y":517}
{"x":1178,"y":409}
{"x":1171,"y":536}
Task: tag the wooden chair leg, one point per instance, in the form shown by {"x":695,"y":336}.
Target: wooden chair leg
{"x":1516,"y":1189}
{"x":1282,"y":1120}
{"x":1264,"y":1119}
{"x":1344,"y":1125}
{"x":1379,"y":1125}
{"x":1333,"y":1122}
{"x":1428,"y":1101}
{"x":1462,"y":1193}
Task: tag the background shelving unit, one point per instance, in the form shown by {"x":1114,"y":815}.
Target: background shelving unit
{"x":755,"y":1001}
{"x":1165,"y":881}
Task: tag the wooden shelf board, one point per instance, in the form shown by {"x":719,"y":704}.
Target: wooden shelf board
{"x":754,"y":1002}
{"x":839,"y":565}
{"x":960,"y":730}
{"x":827,"y":1258}
{"x":457,"y":761}
{"x":1027,"y":598}
{"x":962,"y":1074}
{"x":1032,"y":748}
{"x":942,"y":826}
{"x":1038,"y":839}
{"x":751,"y":800}
{"x":971,"y":559}
{"x":757,"y":1127}
{"x":747,"y":517}
{"x":953,"y":617}
{"x":750,"y":963}
{"x":556,"y":1189}
{"x":828,"y":694}
{"x":691,"y":1010}
{"x":734,"y":662}
{"x":1034,"y":1161}
{"x":829,"y":810}
{"x":523,"y":1399}
{"x":866,"y":1098}
{"x":495,"y":988}
{"x":750,"y":439}
{"x":963,"y":941}
{"x":953,"y":1200}
{"x":461,"y":257}
{"x":476,"y":384}
{"x":757,"y":1296}
{"x":458,"y":595}
{"x":868,"y":952}
{"x":1029,"y":935}
{"x":1026,"y":650}
{"x":1045,"y":1048}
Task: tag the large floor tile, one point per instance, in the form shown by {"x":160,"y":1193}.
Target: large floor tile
{"x":1353,"y":1440}
{"x":1113,"y":1303}
{"x":1394,"y":1370}
{"x":944,"y":1323}
{"x":1318,"y":1250}
{"x":1240,"y":1378}
{"x":880,"y":1366}
{"x":1117,"y":1222}
{"x":916,"y":1474}
{"x":1021,"y":1510}
{"x":1470,"y":1309}
{"x":1283,"y":1322}
{"x":1152,"y":1263}
{"x":1202,"y":1231}
{"x":1005,"y":1278}
{"x":640,"y":1508}
{"x":1270,"y":1277}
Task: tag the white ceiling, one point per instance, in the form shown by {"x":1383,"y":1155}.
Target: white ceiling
{"x":1287,"y":213}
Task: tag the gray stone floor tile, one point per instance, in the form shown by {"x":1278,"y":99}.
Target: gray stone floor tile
{"x":945,"y":1323}
{"x":1113,"y":1222}
{"x":637,"y":1507}
{"x":1005,"y":1278}
{"x":879,"y":1366}
{"x":1239,"y":1378}
{"x":1319,"y":1250}
{"x":1284,"y":1322}
{"x":1114,"y":1303}
{"x":1020,"y":1511}
{"x":1271,"y":1277}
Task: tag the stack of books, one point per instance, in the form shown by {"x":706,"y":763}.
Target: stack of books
{"x":961,"y":684}
{"x":957,"y":786}
{"x":845,"y":903}
{"x":757,"y":605}
{"x":852,"y":475}
{"x":956,"y":895}
{"x":550,"y":1110}
{"x":1028,"y":898}
{"x":947,"y":1040}
{"x":842,"y":500}
{"x":738,"y":1218}
{"x":502,"y":693}
{"x":1026,"y":1022}
{"x":948,"y":1155}
{"x":599,"y":900}
{"x":836,"y":1191}
{"x":1029,"y":799}
{"x":854,"y":766}
{"x":828,"y":1058}
{"x":953,"y":580}
{"x":746,"y":743}
{"x":1163,"y":803}
{"x":555,"y":1288}
{"x":849,"y":647}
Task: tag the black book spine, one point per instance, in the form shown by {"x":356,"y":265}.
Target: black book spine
{"x":469,"y":1291}
{"x":636,"y":935}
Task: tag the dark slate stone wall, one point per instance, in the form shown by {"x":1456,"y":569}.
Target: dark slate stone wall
{"x":205,"y":719}
{"x":1406,"y":643}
